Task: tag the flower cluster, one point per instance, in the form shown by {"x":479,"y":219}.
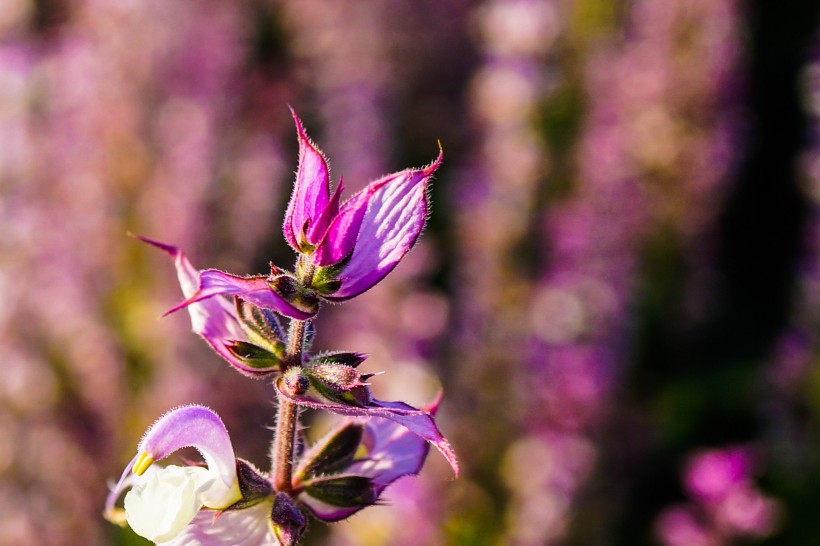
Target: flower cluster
{"x":724,"y":504}
{"x":343,"y":249}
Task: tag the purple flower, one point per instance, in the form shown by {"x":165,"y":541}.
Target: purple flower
{"x":255,"y":352}
{"x":345,"y":249}
{"x":356,"y":244}
{"x":231,"y":502}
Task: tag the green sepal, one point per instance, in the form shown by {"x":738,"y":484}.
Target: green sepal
{"x":254,"y":356}
{"x":358,"y":396}
{"x":254,"y":487}
{"x":338,"y":377}
{"x":326,"y":280}
{"x":261,"y":326}
{"x":295,"y":293}
{"x":338,"y":357}
{"x":332,"y":453}
{"x":343,"y":491}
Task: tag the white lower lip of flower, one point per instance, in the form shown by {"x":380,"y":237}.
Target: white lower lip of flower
{"x":166,"y":502}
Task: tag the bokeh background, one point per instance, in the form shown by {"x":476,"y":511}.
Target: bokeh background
{"x":618,"y":289}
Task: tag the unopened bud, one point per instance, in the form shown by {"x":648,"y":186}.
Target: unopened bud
{"x":286,"y":520}
{"x":294,"y":382}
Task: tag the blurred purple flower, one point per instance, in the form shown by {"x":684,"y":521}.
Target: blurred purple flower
{"x":342,"y":473}
{"x":711,"y":475}
{"x":725,"y":503}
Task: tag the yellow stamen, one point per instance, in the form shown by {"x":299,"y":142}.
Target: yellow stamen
{"x":143,"y":462}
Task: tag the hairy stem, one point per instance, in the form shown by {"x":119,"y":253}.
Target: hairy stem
{"x":287,"y":417}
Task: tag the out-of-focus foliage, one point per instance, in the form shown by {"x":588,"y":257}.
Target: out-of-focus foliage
{"x":618,"y":287}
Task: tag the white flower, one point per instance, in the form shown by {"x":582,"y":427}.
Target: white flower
{"x":166,"y":502}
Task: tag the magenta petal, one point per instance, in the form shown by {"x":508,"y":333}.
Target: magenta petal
{"x":254,"y":290}
{"x":214,"y":318}
{"x":384,"y":221}
{"x":311,"y":192}
{"x":417,"y":421}
{"x":341,"y":237}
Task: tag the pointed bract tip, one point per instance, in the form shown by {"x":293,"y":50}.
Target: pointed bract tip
{"x":432,"y":167}
{"x":168,"y":249}
{"x":300,"y":128}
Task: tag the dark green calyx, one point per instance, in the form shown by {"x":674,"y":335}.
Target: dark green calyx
{"x":340,"y":357}
{"x":287,"y":520}
{"x":332,"y":454}
{"x":343,"y":491}
{"x":254,"y":486}
{"x":254,"y":356}
{"x":295,"y":293}
{"x":261,"y":326}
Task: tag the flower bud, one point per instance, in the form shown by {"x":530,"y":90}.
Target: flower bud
{"x":286,"y":520}
{"x":294,"y":382}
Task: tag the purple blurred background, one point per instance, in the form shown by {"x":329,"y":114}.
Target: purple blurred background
{"x":618,"y":289}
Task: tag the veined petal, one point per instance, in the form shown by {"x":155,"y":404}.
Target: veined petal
{"x":246,"y":527}
{"x":215,"y":318}
{"x":417,"y":421}
{"x":310,"y":197}
{"x":200,"y":428}
{"x":255,"y":290}
{"x":378,"y":225}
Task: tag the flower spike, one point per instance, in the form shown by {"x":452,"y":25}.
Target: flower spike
{"x":344,"y":249}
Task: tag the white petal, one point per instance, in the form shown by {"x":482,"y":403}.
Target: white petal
{"x":159,"y":508}
{"x":248,"y":527}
